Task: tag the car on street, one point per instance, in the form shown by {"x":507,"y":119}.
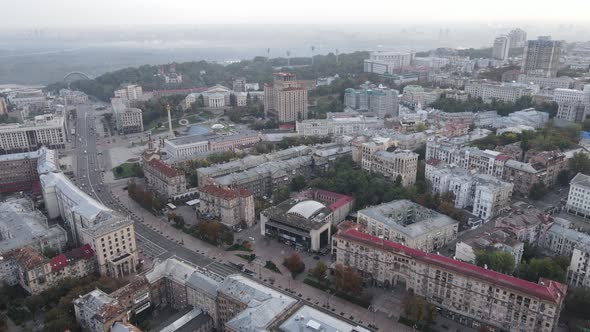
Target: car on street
{"x":317,"y":258}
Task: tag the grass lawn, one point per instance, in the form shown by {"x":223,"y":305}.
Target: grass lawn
{"x":238,"y":247}
{"x":127,"y":171}
{"x":271,"y":266}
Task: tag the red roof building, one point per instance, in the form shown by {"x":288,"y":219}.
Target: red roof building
{"x":477,"y":295}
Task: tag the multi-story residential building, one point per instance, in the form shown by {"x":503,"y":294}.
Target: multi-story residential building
{"x":46,"y":129}
{"x":110,"y":234}
{"x":562,"y":82}
{"x":578,"y":199}
{"x":488,"y":195}
{"x":572,"y":104}
{"x":369,"y":97}
{"x":35,"y":273}
{"x":31,"y":99}
{"x":97,"y":311}
{"x":472,"y":295}
{"x":234,"y":207}
{"x":73,"y":97}
{"x":491,"y":196}
{"x":501,"y":48}
{"x":498,"y":240}
{"x":340,"y":205}
{"x":305,"y":224}
{"x":578,"y":273}
{"x":410,"y":224}
{"x":430,"y":62}
{"x":198,"y":145}
{"x":129,"y":92}
{"x":524,"y":175}
{"x":3,"y":106}
{"x":541,"y":57}
{"x":388,"y":62}
{"x":526,"y":222}
{"x":22,"y":225}
{"x":286,"y":97}
{"x":517,"y":38}
{"x":19,"y":171}
{"x":510,"y":92}
{"x":346,"y":124}
{"x":239,"y":84}
{"x":560,"y":239}
{"x":266,"y":174}
{"x":165,"y":180}
{"x":415,"y":95}
{"x":403,"y":163}
{"x":127,"y":119}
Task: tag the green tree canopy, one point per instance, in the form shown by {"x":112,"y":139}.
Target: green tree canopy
{"x":498,"y":261}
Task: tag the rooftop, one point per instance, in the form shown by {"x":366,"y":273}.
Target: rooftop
{"x":308,"y":319}
{"x":185,"y":321}
{"x":263,"y":304}
{"x":225,"y":193}
{"x":546,"y":289}
{"x":407,"y":217}
{"x":303,"y":214}
{"x":28,"y":257}
{"x":163,"y":168}
{"x":62,"y":260}
{"x":581,"y":180}
{"x":21,"y":225}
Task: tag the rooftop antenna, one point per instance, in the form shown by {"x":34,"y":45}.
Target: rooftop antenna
{"x":312,"y":49}
{"x":288,"y":58}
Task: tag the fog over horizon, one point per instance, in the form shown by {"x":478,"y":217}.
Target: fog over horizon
{"x":39,"y":44}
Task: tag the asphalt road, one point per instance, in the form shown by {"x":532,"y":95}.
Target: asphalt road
{"x":89,"y":177}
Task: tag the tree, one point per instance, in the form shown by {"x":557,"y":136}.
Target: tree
{"x":577,"y":303}
{"x":417,"y":309}
{"x":498,"y":261}
{"x":281,"y":195}
{"x":563,"y":177}
{"x":537,"y":191}
{"x":294,"y":264}
{"x":580,"y":163}
{"x":319,"y":271}
{"x":538,"y":268}
{"x":50,"y":252}
{"x":348,"y":280}
{"x":119,"y":170}
{"x":298,"y":183}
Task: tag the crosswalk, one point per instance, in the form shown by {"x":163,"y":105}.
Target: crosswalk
{"x":221,"y":269}
{"x":149,"y":248}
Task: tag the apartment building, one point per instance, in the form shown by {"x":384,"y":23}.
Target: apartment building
{"x":415,"y":95}
{"x":541,"y":57}
{"x":488,"y":195}
{"x":562,"y":82}
{"x":517,"y":38}
{"x":268,"y":173}
{"x":109,"y":234}
{"x":35,"y":273}
{"x":3,"y":106}
{"x":509,"y":92}
{"x":525,"y":221}
{"x":543,"y":167}
{"x":73,"y":97}
{"x":561,"y":238}
{"x":387,"y":62}
{"x":431,"y":62}
{"x":47,"y":129}
{"x":471,"y":295}
{"x":31,"y":99}
{"x":234,"y":207}
{"x":163,"y":179}
{"x":403,"y":163}
{"x":377,"y":99}
{"x":97,"y":311}
{"x":192,"y":146}
{"x":498,"y":240}
{"x":127,"y":119}
{"x":578,"y":199}
{"x":347,"y":124}
{"x":578,"y":273}
{"x":19,"y":171}
{"x":286,"y":97}
{"x":129,"y":92}
{"x":501,"y":48}
{"x":410,"y":224}
{"x":22,"y":225}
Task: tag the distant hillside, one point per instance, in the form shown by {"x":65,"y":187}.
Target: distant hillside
{"x":203,"y":73}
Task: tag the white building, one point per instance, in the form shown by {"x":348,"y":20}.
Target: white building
{"x":431,"y":62}
{"x":343,"y":124}
{"x":129,"y":92}
{"x":387,"y":62}
{"x":491,"y":196}
{"x":517,"y":38}
{"x":578,"y":273}
{"x":578,"y":199}
{"x":501,"y":48}
{"x":561,"y":82}
{"x":186,"y":147}
{"x":127,"y":119}
{"x":110,"y":234}
{"x":500,"y":91}
{"x":403,"y":163}
{"x":47,"y":129}
{"x":410,"y":224}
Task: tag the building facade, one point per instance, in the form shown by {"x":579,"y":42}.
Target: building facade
{"x":471,"y":295}
{"x":501,"y":48}
{"x":47,"y":129}
{"x":541,"y":57}
{"x":509,"y":92}
{"x":286,"y":97}
{"x":578,"y":199}
{"x":403,"y":163}
{"x":165,"y":180}
{"x":234,"y":207}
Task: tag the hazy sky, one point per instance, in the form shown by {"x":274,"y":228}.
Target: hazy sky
{"x":45,"y":13}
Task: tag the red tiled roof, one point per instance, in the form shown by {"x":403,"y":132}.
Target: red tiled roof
{"x":60,"y":261}
{"x":433,"y":161}
{"x":163,"y":168}
{"x":27,"y":257}
{"x":341,"y":199}
{"x":502,"y":157}
{"x":547,"y":289}
{"x":226,"y":193}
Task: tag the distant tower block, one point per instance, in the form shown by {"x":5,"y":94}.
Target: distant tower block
{"x":169,"y":120}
